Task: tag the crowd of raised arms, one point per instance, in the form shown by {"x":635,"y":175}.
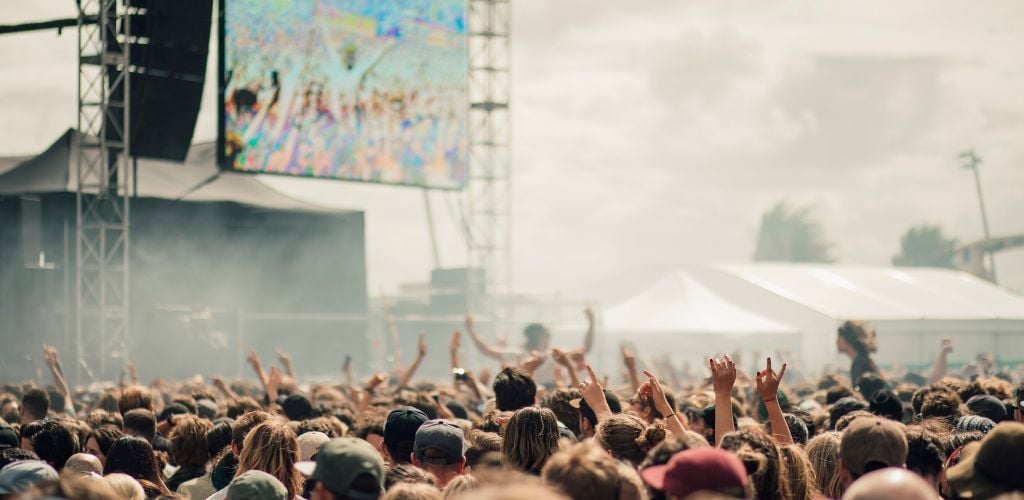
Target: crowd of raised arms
{"x":544,"y":426}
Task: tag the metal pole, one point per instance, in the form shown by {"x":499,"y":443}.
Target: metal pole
{"x":973,"y":160}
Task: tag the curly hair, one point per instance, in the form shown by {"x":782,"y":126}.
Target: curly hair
{"x":944,"y":404}
{"x":628,"y":437}
{"x":188,"y":441}
{"x":586,"y":471}
{"x":925,"y":453}
{"x":531,"y":437}
{"x":559,"y":402}
{"x":763,"y":461}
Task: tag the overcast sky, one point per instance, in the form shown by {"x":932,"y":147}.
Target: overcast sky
{"x":654,"y":134}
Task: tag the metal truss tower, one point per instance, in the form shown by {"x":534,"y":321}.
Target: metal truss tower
{"x":103,"y":175}
{"x":489,"y":191}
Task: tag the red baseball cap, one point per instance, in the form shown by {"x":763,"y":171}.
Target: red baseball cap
{"x":698,"y":469}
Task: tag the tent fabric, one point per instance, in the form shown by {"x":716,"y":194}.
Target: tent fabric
{"x":883,"y":293}
{"x":678,"y":303}
{"x":197,"y":179}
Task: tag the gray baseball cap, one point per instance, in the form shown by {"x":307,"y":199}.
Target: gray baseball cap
{"x":439,"y":442}
{"x":256,"y":485}
{"x":340,"y":461}
{"x":19,"y":476}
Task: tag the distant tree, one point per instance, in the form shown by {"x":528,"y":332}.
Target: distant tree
{"x":791,"y":234}
{"x":926,"y":246}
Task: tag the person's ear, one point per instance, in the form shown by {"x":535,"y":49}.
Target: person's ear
{"x":415,"y":461}
{"x":462,"y":466}
{"x":235,"y":450}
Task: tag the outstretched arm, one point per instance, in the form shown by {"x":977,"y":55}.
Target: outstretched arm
{"x":563,"y":359}
{"x":588,"y":339}
{"x":487,"y":350}
{"x":768,"y":387}
{"x":420,"y":354}
{"x":657,"y":393}
{"x":939,"y":368}
{"x":629,"y":360}
{"x":723,"y":375}
{"x":53,"y":363}
{"x":286,"y":362}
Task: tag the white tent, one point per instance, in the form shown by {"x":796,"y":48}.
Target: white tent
{"x":679,"y":316}
{"x":911,"y":308}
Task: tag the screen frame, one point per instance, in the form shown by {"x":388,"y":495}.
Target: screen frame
{"x":222,"y":160}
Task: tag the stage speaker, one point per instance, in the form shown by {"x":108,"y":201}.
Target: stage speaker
{"x":169,"y":50}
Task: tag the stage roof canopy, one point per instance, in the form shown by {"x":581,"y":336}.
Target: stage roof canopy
{"x":197,"y":179}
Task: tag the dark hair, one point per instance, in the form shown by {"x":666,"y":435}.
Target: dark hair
{"x":54,"y":444}
{"x":870,"y":383}
{"x":219,"y":437}
{"x":36,"y":402}
{"x":297,"y":407}
{"x":30,"y":429}
{"x":925,"y":454}
{"x":837,"y":392}
{"x":241,"y":406}
{"x":105,"y":435}
{"x":797,"y":428}
{"x":942,"y":404}
{"x":708,"y":416}
{"x":959,"y":439}
{"x":860,"y":336}
{"x":534,"y":332}
{"x":10,"y":455}
{"x":559,"y":401}
{"x":134,"y":456}
{"x":587,"y":413}
{"x":514,"y":389}
{"x":140,"y":422}
{"x":886,"y":403}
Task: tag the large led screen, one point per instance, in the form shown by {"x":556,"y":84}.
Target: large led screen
{"x":367,"y":90}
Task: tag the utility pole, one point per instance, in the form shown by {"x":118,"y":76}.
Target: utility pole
{"x":972,"y":161}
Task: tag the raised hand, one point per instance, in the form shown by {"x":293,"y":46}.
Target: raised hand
{"x":628,"y":358}
{"x":422,"y":346}
{"x":589,"y":314}
{"x":946,"y":346}
{"x":723,"y":374}
{"x":531,"y":363}
{"x":453,"y":346}
{"x":469,"y":323}
{"x":593,"y":394}
{"x":376,"y":380}
{"x":254,"y":360}
{"x":561,"y":357}
{"x":768,"y":381}
{"x":284,"y":357}
{"x":657,"y":392}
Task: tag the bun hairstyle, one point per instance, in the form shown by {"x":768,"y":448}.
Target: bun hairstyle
{"x":629,"y":438}
{"x":763,"y":461}
{"x":860,"y":335}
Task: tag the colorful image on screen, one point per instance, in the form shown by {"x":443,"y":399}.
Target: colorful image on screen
{"x":368,"y":90}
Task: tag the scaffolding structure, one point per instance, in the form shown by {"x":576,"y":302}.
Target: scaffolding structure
{"x":489,"y":190}
{"x":102,"y":312}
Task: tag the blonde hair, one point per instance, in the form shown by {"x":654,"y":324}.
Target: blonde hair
{"x":125,"y":486}
{"x":412,"y":491}
{"x":531,"y":437}
{"x":587,"y":471}
{"x":823,"y":455}
{"x":271,"y":448}
{"x":458,"y":485}
{"x":799,"y":472}
{"x":628,"y":437}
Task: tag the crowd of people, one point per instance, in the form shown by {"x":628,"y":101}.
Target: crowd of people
{"x":546,"y":426}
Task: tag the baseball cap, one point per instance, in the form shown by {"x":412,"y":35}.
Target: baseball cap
{"x":698,"y":469}
{"x":8,"y":438}
{"x":871,"y":443}
{"x":256,"y":484}
{"x":340,"y":461}
{"x":19,"y":476}
{"x":400,"y":431}
{"x":171,"y":410}
{"x":439,"y":442}
{"x":991,"y":466}
{"x":310,"y":443}
{"x":987,"y":406}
